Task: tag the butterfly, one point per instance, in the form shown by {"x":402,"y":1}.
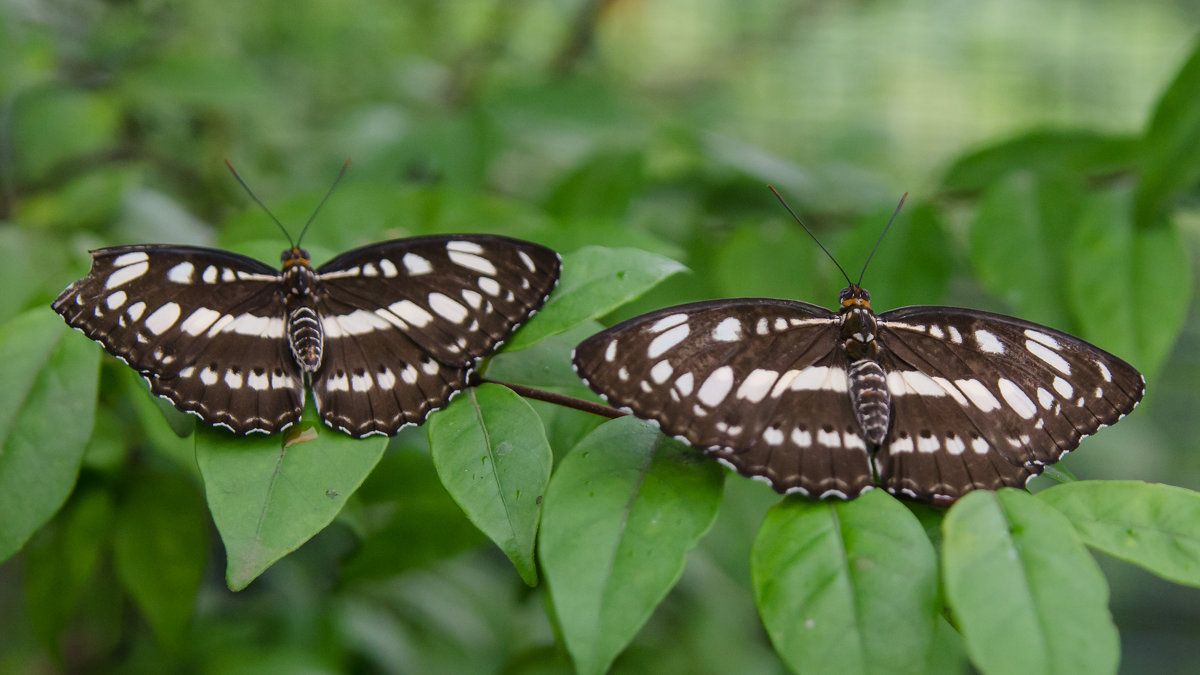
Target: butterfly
{"x":928,"y":402}
{"x":383,"y":334}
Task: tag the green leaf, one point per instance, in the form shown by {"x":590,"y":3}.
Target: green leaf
{"x":414,"y":523}
{"x":1139,"y":280}
{"x":1029,"y":218}
{"x":1170,"y":163}
{"x":491,"y":453}
{"x":60,"y":562}
{"x":59,"y":125}
{"x":1150,"y":525}
{"x":847,"y":587}
{"x":595,"y":281}
{"x":1026,"y":594}
{"x":622,"y":511}
{"x":47,"y":408}
{"x":786,"y":263}
{"x":270,"y":494}
{"x":603,"y":187}
{"x":1043,"y":151}
{"x":161,"y":549}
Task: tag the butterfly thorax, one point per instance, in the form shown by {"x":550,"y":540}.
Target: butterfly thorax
{"x":303,"y":325}
{"x":867,"y":383}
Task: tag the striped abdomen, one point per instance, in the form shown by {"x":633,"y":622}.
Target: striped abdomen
{"x":305,"y":337}
{"x":871,"y":399}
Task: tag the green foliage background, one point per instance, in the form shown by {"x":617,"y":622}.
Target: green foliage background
{"x":1052,"y":156}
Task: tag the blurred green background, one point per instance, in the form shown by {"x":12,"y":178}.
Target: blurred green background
{"x":648,"y":123}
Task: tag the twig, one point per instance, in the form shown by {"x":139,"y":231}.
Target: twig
{"x":560,"y":399}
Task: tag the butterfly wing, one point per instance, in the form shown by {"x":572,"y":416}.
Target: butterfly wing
{"x":983,"y":400}
{"x":203,"y":326}
{"x":405,"y":321}
{"x":758,"y":384}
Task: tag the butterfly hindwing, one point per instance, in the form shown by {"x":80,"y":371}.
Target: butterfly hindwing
{"x":756,"y":383}
{"x":405,"y":321}
{"x":201,"y":325}
{"x":982,"y":400}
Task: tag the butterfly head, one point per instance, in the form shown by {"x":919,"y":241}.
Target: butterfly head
{"x":854,"y":297}
{"x":294,"y":256}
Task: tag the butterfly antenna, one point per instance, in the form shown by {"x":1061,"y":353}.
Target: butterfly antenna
{"x":313,"y":217}
{"x":259,"y":202}
{"x":880,"y":240}
{"x":810,"y":233}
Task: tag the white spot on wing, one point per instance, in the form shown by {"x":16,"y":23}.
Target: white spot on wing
{"x":773,"y":436}
{"x":127,"y":274}
{"x":233,"y":380}
{"x":527,"y":260}
{"x":610,"y":352}
{"x":979,"y":395}
{"x":716,"y":387}
{"x":464,"y":246}
{"x":199,"y":321}
{"x":490,"y":286}
{"x":1045,"y":398}
{"x":471,"y":261}
{"x":901,"y":445}
{"x":667,"y":322}
{"x":757,"y":385}
{"x":684,"y":384}
{"x":1104,"y":372}
{"x":819,"y":377}
{"x":163,"y":318}
{"x":258,"y":382}
{"x":1063,"y":387}
{"x":928,"y":445}
{"x":473,"y":299}
{"x":415,"y":264}
{"x":131,"y":258}
{"x":1051,"y":357}
{"x":1042,"y":338}
{"x":667,"y":340}
{"x":210,"y":275}
{"x":729,"y":330}
{"x":338,"y":383}
{"x":988,"y":342}
{"x":386,"y":379}
{"x":181,"y":273}
{"x":447,"y":307}
{"x":955,"y":446}
{"x":411,"y":312}
{"x":361,"y":382}
{"x":802,"y":439}
{"x":115,"y":300}
{"x":388,"y":267}
{"x":1017,"y":399}
{"x":208,"y":376}
{"x":661,"y":371}
{"x":829,"y":439}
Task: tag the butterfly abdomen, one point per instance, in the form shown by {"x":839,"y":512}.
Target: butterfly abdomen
{"x":871,"y":399}
{"x":303,"y":324}
{"x":868,"y":387}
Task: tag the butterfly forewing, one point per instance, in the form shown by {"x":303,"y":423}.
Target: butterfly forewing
{"x":983,"y":400}
{"x":406,"y":321}
{"x":758,"y":384}
{"x":201,"y":325}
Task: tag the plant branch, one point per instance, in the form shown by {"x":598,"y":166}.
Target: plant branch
{"x":559,"y":399}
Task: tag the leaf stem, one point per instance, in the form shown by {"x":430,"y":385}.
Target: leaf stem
{"x":559,"y":399}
